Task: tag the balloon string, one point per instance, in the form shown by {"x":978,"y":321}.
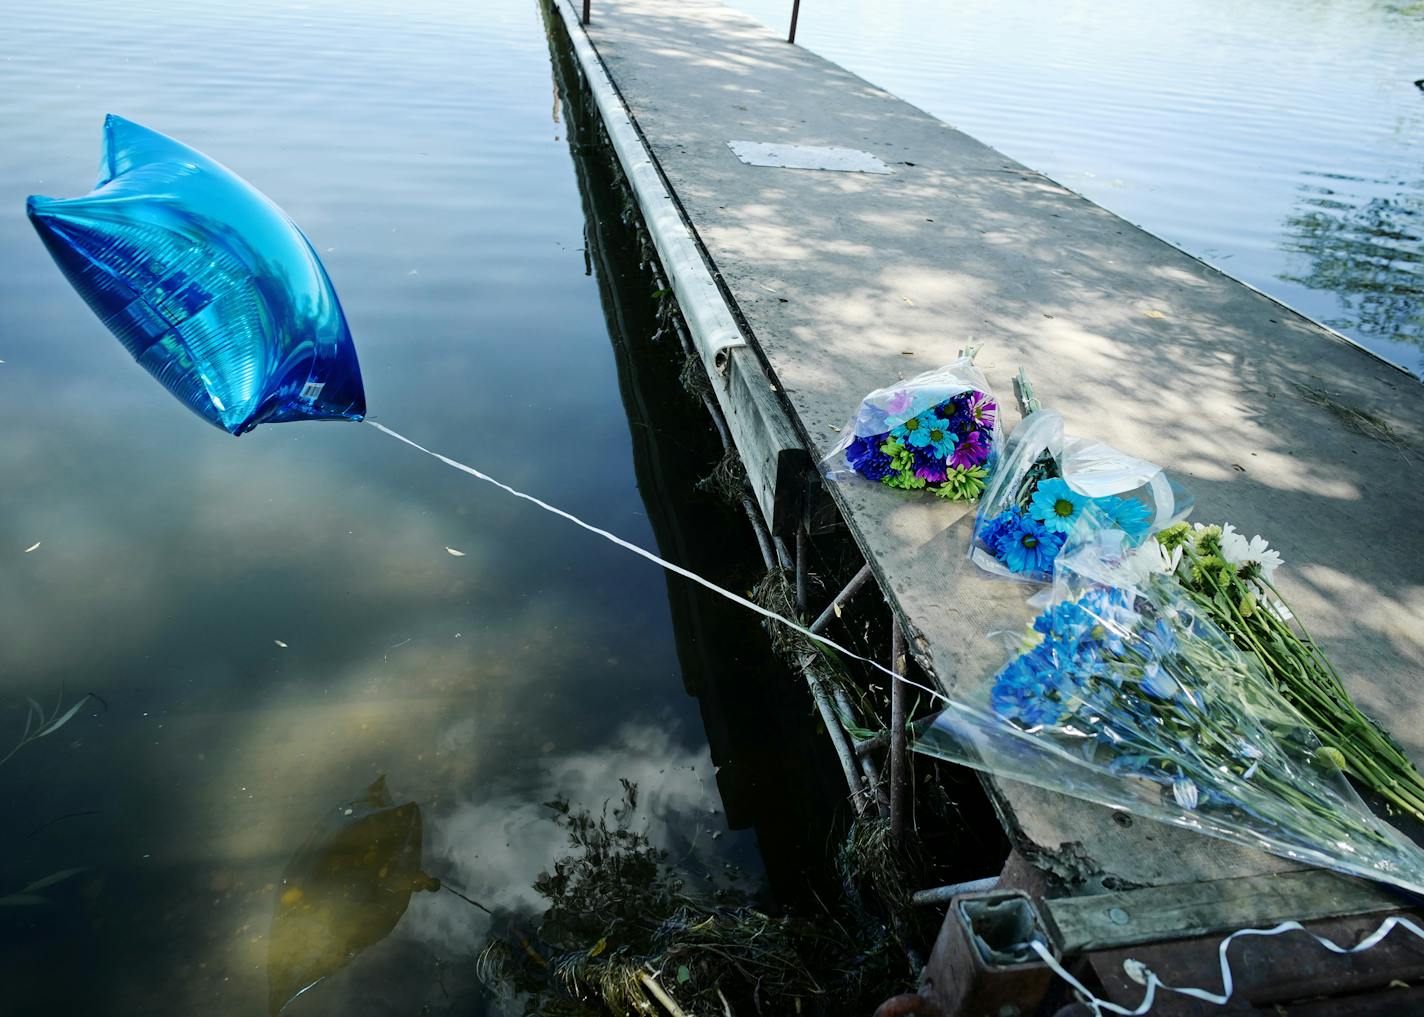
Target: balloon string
{"x":676,"y":569}
{"x":1138,"y":972}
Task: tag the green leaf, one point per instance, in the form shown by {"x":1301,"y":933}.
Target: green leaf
{"x":56,"y":877}
{"x":684,"y":974}
{"x":16,"y":900}
{"x":55,"y":725}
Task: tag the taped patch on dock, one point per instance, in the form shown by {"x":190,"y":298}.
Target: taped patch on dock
{"x":844,"y":160}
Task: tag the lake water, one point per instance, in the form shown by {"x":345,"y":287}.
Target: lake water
{"x":1282,"y":142}
{"x":273,"y":622}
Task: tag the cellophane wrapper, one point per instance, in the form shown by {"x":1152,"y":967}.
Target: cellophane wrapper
{"x":1125,"y":694}
{"x":1019,"y":530}
{"x":977,"y":440}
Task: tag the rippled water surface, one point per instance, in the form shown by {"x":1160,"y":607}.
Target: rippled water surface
{"x":273,"y":622}
{"x":1282,"y":142}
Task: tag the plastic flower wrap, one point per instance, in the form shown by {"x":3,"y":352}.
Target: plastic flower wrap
{"x":1124,"y":693}
{"x":1044,"y":484}
{"x":937,"y":432}
{"x":1231,"y":578}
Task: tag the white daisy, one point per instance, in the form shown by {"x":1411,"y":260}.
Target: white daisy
{"x":1239,"y":551}
{"x":1148,"y":560}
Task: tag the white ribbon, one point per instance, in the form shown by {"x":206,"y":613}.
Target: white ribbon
{"x":678,"y":569}
{"x":1139,"y":972}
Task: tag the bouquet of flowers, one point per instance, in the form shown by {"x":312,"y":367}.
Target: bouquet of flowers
{"x":1124,"y":692}
{"x":936,"y":432}
{"x":1230,"y":578}
{"x":1045,"y":484}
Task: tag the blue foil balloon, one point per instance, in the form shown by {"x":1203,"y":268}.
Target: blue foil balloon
{"x":207,"y":283}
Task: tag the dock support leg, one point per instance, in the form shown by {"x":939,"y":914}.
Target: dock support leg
{"x":857,"y":581}
{"x":838,"y":737}
{"x":897,"y":735}
{"x":801,"y":566}
{"x":795,"y":12}
{"x":867,"y":761}
{"x":586,"y":4}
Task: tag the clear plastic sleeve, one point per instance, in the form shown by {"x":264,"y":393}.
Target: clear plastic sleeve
{"x":1044,"y":483}
{"x":1125,"y":694}
{"x":937,"y":432}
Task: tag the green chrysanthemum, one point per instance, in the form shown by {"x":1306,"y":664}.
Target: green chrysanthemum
{"x":1208,"y":566}
{"x":962,"y":483}
{"x":1174,"y":536}
{"x":905,"y":480}
{"x":901,"y":459}
{"x":1207,"y":540}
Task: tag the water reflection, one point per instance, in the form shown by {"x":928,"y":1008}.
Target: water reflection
{"x":274,"y":621}
{"x":1369,"y":251}
{"x":343,"y":891}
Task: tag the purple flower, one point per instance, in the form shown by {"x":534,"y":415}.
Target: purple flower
{"x":972,"y":450}
{"x":961,"y":415}
{"x":865,"y":457}
{"x":982,"y":409}
{"x":928,"y":464}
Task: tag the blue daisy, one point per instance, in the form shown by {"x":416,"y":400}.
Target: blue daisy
{"x":1129,"y":515}
{"x":1115,"y":616}
{"x":939,"y":437}
{"x":1026,"y":690}
{"x":1030,"y":547}
{"x":905,"y":433}
{"x":992,"y":531}
{"x":929,"y":430}
{"x":1056,"y":505}
{"x":1069,"y":623}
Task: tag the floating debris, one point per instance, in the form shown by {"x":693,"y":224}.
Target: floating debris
{"x":36,"y":545}
{"x":343,"y":891}
{"x":454,"y":553}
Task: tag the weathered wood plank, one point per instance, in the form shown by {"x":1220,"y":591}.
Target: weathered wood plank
{"x":1181,"y":911}
{"x":774,"y":455}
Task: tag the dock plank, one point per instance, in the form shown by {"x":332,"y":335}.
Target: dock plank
{"x":1112,"y":920}
{"x":848,"y":281}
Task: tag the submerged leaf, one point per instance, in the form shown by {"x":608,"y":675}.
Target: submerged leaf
{"x":62,"y":720}
{"x":343,"y":891}
{"x":23,"y":900}
{"x":52,"y":878}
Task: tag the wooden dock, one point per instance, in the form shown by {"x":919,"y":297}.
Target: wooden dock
{"x":841,"y":282}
